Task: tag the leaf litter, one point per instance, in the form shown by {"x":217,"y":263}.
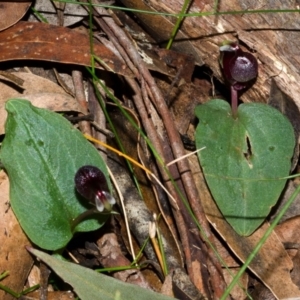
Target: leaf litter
{"x":37,"y":43}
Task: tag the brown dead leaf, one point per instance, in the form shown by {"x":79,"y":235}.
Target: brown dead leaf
{"x":285,"y":104}
{"x":295,"y":274}
{"x":288,"y":231}
{"x":167,"y":287}
{"x":12,"y":12}
{"x":229,"y":259}
{"x":40,"y":41}
{"x":238,"y":292}
{"x":40,"y":91}
{"x":183,"y":63}
{"x":272,"y":264}
{"x":184,"y":101}
{"x":14,"y":257}
{"x":183,"y":288}
{"x":73,"y":13}
{"x":53,"y":295}
{"x":294,"y":208}
{"x":111,"y":256}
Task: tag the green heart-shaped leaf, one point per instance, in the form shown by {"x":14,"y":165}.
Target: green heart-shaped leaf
{"x":243,"y":159}
{"x":41,"y":153}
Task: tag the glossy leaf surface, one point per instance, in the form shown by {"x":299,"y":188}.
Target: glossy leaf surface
{"x":243,"y":159}
{"x":41,"y":153}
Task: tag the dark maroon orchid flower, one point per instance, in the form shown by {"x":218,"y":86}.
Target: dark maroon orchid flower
{"x":239,"y":67}
{"x":91,"y":183}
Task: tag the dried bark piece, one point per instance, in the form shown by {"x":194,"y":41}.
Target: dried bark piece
{"x":161,"y":27}
{"x":145,"y":44}
{"x":40,"y":41}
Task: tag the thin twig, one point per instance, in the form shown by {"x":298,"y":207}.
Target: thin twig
{"x":185,"y":156}
{"x":99,"y":117}
{"x":157,"y":143}
{"x":80,"y":97}
{"x":124,"y":211}
{"x":176,"y":145}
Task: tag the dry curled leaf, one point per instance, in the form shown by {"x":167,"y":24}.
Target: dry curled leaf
{"x":39,"y":41}
{"x":39,"y":91}
{"x":12,"y":12}
{"x":14,"y":257}
{"x":288,"y":231}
